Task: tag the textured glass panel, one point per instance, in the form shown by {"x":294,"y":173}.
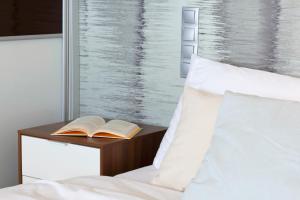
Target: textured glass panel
{"x":130,"y":58}
{"x":251,"y":33}
{"x":130,"y":49}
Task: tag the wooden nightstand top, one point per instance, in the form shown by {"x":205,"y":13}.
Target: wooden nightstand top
{"x":45,"y":132}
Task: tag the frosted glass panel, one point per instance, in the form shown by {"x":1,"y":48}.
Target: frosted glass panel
{"x":130,"y":58}
{"x":130,"y":49}
{"x":260,"y":34}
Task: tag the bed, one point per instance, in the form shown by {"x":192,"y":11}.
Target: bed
{"x":131,"y":185}
{"x":174,"y":175}
{"x":209,"y":172}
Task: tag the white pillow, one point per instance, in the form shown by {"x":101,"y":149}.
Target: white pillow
{"x":255,"y":152}
{"x":216,"y":77}
{"x":169,"y":136}
{"x":191,"y":141}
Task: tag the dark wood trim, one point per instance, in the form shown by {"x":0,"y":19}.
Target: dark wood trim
{"x":30,"y":17}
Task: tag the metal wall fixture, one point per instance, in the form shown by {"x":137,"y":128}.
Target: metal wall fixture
{"x":189,"y":38}
{"x":71,"y":58}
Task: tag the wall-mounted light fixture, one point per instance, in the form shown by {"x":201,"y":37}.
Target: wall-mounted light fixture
{"x":189,"y":38}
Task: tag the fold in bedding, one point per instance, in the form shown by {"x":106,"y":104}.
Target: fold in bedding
{"x":144,"y":174}
{"x":89,"y":188}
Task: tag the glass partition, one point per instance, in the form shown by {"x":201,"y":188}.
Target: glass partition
{"x":130,"y":50}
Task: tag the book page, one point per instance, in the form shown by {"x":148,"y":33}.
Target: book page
{"x":119,"y":128}
{"x":87,"y":124}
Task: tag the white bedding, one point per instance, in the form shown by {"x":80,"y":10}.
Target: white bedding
{"x":144,"y":174}
{"x":89,"y":188}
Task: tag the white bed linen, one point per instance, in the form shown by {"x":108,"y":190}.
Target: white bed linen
{"x":89,"y":188}
{"x":144,"y":174}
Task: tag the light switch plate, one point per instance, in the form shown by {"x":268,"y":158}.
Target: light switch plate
{"x":189,"y":16}
{"x":187,"y":51}
{"x":188,"y":34}
{"x":189,"y":38}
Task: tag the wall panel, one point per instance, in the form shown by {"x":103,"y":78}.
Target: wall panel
{"x":31,"y":94}
{"x":130,"y":50}
{"x":129,"y":59}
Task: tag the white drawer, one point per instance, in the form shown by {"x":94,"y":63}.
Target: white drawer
{"x":49,"y":160}
{"x":27,"y":179}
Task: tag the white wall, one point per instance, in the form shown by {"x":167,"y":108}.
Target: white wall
{"x":30,"y":94}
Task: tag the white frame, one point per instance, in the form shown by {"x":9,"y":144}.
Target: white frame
{"x":71,"y":58}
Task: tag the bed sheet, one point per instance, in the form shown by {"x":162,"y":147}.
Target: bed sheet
{"x":89,"y":188}
{"x":144,"y":174}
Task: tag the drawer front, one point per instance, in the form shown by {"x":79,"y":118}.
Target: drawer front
{"x":49,"y":160}
{"x":27,"y":179}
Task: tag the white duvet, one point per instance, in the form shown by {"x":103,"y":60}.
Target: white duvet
{"x":89,"y":188}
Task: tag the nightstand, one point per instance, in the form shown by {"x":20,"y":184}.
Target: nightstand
{"x":43,"y":156}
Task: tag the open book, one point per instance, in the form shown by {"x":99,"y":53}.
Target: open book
{"x":95,"y":126}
